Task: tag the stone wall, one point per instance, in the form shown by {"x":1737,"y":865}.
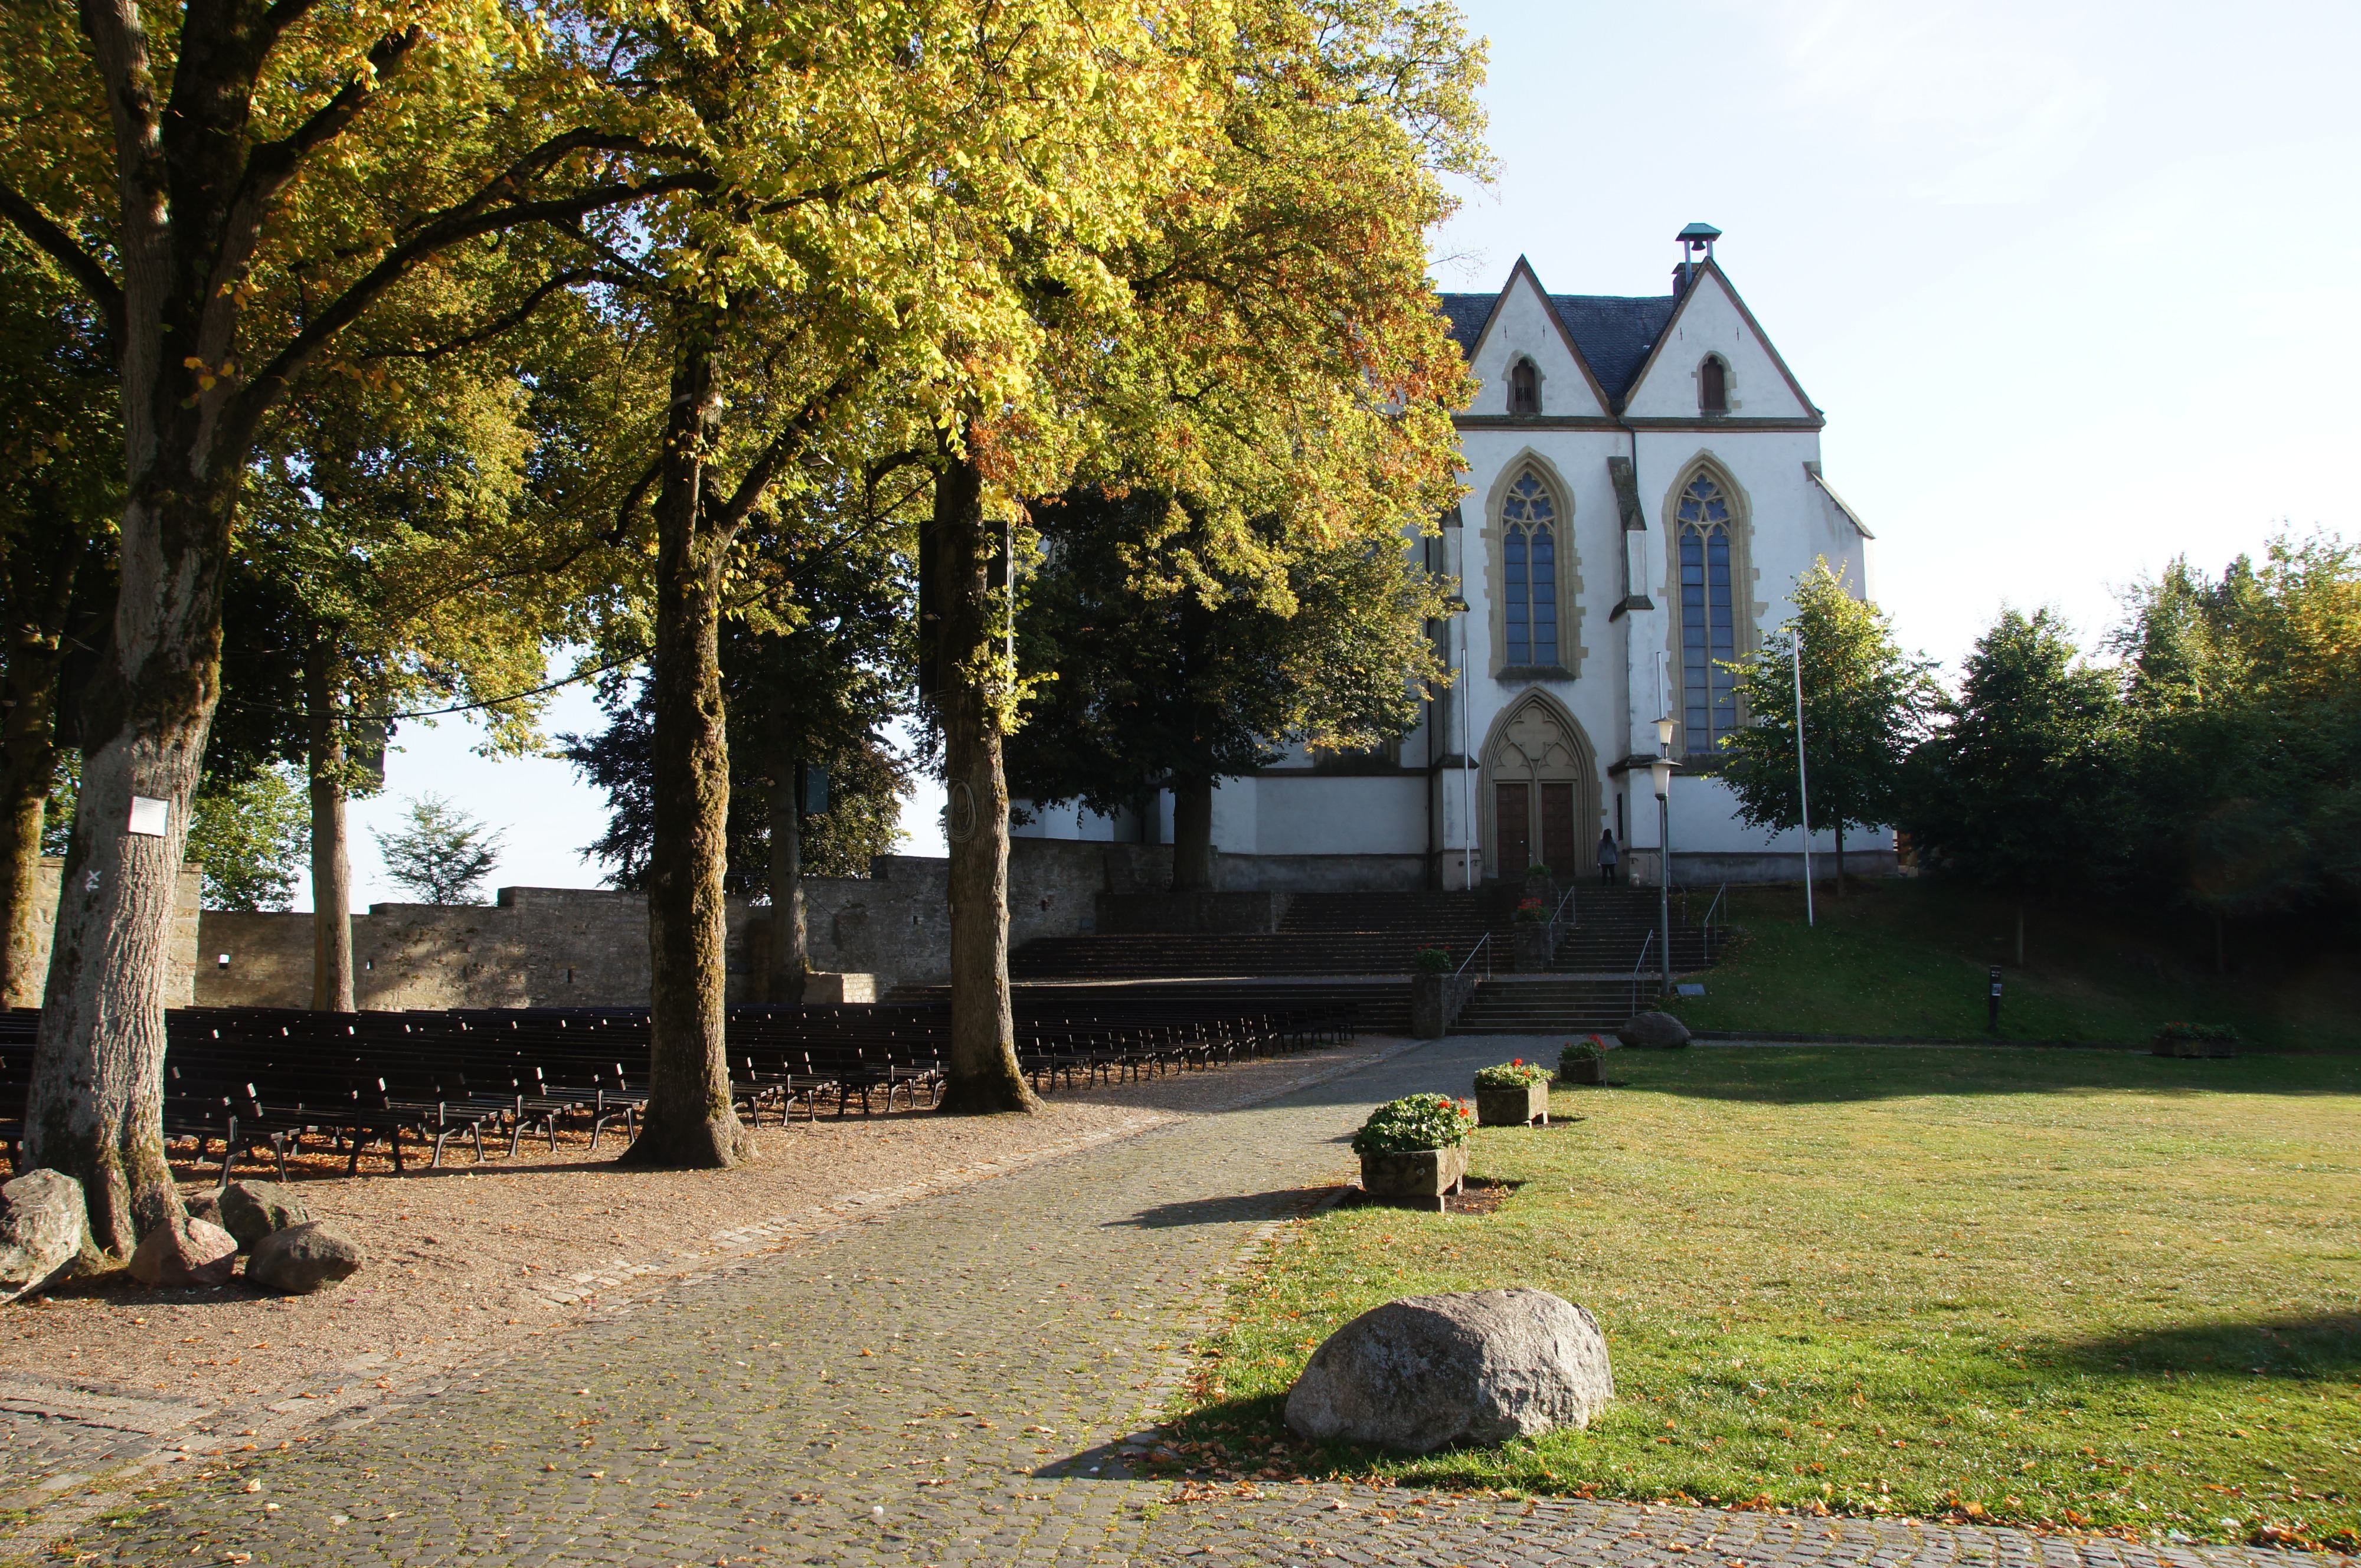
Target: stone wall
{"x":187,"y":899}
{"x":545,"y":947}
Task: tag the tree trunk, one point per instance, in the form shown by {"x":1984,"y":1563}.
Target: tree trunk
{"x":332,"y":861}
{"x":790,"y":961}
{"x":95,"y":1111}
{"x":1841,"y":857}
{"x":1192,"y":835}
{"x":2221,"y":950}
{"x":689,"y":1121}
{"x":2020,"y":934}
{"x":40,"y":594}
{"x":984,"y":1075}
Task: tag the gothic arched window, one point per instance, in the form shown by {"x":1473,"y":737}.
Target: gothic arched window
{"x":1529,"y":553}
{"x":1709,"y":618}
{"x":1713,"y":386}
{"x":1524,"y":388}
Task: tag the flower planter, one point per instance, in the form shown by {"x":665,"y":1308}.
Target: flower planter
{"x":1420,"y":1174}
{"x":1593,"y":1070}
{"x":1513,"y":1107}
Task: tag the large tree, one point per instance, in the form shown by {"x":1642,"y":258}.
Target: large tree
{"x":869,"y":166}
{"x":1156,"y":684}
{"x":2022,"y":788}
{"x":2248,"y":756}
{"x":1866,"y":704}
{"x":1264,"y":343}
{"x":231,"y":186}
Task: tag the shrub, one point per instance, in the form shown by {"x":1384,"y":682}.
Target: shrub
{"x":1415,"y":1121}
{"x":1537,"y":869}
{"x":1579,"y":1050}
{"x":1431,"y":961}
{"x":2181,"y":1031}
{"x":1512,"y":1074}
{"x":1531,"y":911}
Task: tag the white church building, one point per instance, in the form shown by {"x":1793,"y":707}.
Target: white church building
{"x":1644,"y":490}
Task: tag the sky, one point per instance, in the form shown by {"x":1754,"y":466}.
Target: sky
{"x":2068,"y":281}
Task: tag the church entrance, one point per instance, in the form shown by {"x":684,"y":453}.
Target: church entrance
{"x":1537,"y":827}
{"x":1544,"y":795}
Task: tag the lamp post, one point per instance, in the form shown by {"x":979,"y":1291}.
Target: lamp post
{"x":1660,"y":772}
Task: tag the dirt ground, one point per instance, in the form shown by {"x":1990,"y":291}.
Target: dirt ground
{"x":463,"y":1257}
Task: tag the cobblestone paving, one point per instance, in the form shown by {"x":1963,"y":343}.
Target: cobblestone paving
{"x":951,"y":1383}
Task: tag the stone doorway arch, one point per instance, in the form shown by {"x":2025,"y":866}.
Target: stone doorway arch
{"x":1540,"y":792}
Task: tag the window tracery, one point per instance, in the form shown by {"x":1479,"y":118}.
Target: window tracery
{"x":1708,"y":616}
{"x":1529,"y":554}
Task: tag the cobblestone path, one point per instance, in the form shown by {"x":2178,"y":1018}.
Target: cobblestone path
{"x":952,"y":1383}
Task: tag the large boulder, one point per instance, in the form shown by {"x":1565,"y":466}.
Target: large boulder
{"x":186,"y":1252}
{"x":301,"y":1258}
{"x":1476,"y":1366}
{"x":252,"y":1210}
{"x":42,"y":1230}
{"x":1653,"y":1030}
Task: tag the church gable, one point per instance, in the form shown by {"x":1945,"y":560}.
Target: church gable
{"x":1523,"y":356}
{"x":1713,"y":361}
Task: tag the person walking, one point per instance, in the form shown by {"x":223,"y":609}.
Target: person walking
{"x":1606,"y":856}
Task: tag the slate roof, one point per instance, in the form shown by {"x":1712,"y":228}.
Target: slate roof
{"x":1614,"y":332}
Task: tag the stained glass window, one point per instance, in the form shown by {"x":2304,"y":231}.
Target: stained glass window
{"x":1708,"y":619}
{"x":1529,"y":553}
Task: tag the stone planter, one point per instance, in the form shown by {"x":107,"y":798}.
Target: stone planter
{"x":1436,"y":1000}
{"x":1513,"y":1107}
{"x":1533,"y":947}
{"x":1419,"y":1174}
{"x":1591,"y":1072}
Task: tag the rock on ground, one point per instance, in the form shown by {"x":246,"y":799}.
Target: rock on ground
{"x":1475,"y":1366}
{"x":42,"y":1230}
{"x":252,"y":1210}
{"x":1660,"y":1030}
{"x":301,"y":1258}
{"x":186,"y":1252}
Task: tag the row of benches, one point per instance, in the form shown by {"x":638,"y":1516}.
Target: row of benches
{"x":260,"y":1080}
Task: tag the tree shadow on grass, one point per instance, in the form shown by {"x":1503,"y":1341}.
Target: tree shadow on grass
{"x":1228,"y":1209}
{"x":1813,"y":1075}
{"x":2321,"y":1346}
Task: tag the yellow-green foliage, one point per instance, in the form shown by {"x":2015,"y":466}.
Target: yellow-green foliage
{"x":2054,"y":1287}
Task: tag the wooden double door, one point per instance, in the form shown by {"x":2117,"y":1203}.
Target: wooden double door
{"x":1535,"y":823}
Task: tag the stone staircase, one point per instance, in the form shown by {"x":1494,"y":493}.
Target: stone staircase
{"x":1589,"y":988}
{"x":1337,"y":947}
{"x":1322,"y":934}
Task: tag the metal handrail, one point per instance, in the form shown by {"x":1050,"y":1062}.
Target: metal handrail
{"x":1562,"y":904}
{"x":1483,"y":945}
{"x":1719,"y":896}
{"x":1639,"y":966}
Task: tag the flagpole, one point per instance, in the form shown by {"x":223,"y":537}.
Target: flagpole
{"x":1802,"y":790}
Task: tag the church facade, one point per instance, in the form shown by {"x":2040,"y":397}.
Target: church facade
{"x":1643,"y":489}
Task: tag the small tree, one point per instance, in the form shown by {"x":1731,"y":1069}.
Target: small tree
{"x":443,"y":856}
{"x":251,"y":835}
{"x":2023,"y":789}
{"x":1178,"y":684}
{"x":1866,"y":704}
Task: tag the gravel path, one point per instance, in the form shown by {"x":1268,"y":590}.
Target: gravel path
{"x":955,"y":1382}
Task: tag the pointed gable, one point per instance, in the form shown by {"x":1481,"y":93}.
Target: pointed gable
{"x":1711,"y":319}
{"x":1521,"y":322}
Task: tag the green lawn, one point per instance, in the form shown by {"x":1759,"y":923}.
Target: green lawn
{"x":1909,"y":958}
{"x":2081,"y":1288}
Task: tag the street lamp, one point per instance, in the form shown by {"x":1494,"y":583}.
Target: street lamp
{"x":1659,"y":773}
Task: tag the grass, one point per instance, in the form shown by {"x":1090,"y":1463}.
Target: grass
{"x":2082,"y":1290}
{"x":1909,"y":958}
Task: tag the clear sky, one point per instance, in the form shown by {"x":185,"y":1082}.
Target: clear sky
{"x":2068,"y":279}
